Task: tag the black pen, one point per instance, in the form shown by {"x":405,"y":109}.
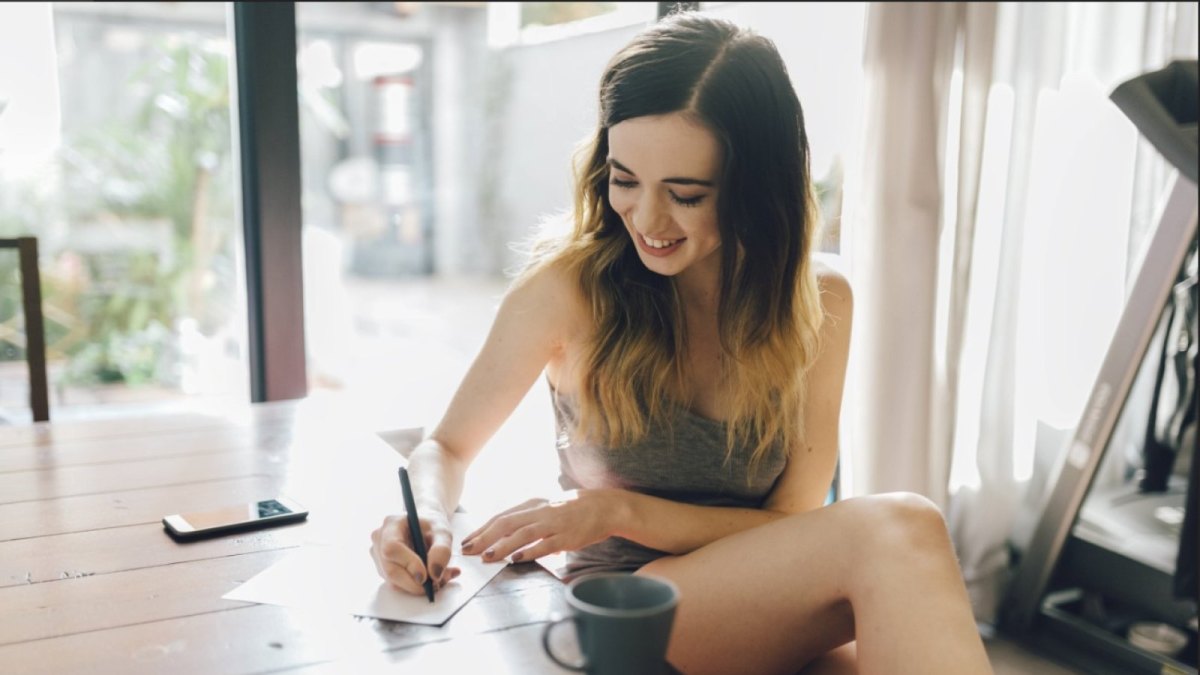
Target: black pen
{"x":414,"y":529}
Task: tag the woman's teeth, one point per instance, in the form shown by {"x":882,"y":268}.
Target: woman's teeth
{"x":659,"y":243}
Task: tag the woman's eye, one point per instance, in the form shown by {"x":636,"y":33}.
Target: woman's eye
{"x":682,"y":201}
{"x":687,"y":201}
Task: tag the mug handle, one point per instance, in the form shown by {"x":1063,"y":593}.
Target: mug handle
{"x":580,"y":667}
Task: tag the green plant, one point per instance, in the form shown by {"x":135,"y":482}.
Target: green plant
{"x":170,"y":162}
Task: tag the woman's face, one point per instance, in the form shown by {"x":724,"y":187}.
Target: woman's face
{"x":662,"y":181}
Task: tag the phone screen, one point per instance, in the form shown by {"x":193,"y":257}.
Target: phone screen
{"x":232,"y":515}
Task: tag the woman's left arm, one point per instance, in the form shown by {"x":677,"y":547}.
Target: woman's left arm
{"x":585,"y":517}
{"x":809,"y":473}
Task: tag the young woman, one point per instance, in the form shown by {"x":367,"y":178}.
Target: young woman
{"x":696,"y":356}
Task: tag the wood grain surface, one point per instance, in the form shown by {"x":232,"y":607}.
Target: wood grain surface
{"x":89,"y":581}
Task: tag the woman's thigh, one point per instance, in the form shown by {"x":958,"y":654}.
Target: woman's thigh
{"x":771,"y":599}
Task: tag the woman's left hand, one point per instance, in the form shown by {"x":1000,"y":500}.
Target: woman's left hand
{"x":540,"y":527}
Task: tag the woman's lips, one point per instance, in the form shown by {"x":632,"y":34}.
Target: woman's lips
{"x":659,"y":252}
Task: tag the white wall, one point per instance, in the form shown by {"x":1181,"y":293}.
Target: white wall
{"x":545,"y":99}
{"x":541,"y":100}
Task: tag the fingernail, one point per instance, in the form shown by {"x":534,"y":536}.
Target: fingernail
{"x":436,"y":571}
{"x":467,"y":545}
{"x":420,"y":578}
{"x":489,"y":553}
{"x":517,"y":556}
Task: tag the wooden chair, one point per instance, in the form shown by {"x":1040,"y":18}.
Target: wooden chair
{"x":35,"y":334}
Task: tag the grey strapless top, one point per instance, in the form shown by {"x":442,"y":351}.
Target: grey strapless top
{"x":684,"y":462}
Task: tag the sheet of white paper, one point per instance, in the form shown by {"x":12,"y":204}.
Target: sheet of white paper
{"x":556,"y":564}
{"x":338,"y":579}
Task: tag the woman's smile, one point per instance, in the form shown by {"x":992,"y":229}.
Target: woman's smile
{"x":659,"y":248}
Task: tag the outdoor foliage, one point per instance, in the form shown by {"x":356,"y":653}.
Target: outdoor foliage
{"x":113,"y":311}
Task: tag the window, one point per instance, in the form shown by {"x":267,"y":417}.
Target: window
{"x":512,"y":23}
{"x":116,"y":152}
{"x":543,"y":14}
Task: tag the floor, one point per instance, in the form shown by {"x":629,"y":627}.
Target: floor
{"x":1010,"y":658}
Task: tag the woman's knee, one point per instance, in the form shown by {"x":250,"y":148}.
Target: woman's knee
{"x":913,"y":524}
{"x":902,"y":522}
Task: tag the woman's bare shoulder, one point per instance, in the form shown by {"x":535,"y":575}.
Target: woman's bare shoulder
{"x":836,"y":296}
{"x":551,"y":293}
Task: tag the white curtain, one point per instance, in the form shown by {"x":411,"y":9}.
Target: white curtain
{"x":996,"y":215}
{"x":890,"y":222}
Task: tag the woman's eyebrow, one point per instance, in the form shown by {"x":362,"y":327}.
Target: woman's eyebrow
{"x":676,"y":180}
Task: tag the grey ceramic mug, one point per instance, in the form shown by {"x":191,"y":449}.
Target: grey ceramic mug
{"x":623,"y":623}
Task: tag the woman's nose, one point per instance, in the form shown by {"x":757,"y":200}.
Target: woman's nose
{"x":648,"y":215}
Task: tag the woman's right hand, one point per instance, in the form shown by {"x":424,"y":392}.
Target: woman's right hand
{"x":399,"y":564}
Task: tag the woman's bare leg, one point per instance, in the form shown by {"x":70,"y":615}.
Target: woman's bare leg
{"x":879,"y":570}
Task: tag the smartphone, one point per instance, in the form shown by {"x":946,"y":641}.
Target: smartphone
{"x":252,"y":516}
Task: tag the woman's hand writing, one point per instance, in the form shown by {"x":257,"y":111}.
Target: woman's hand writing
{"x":540,"y":527}
{"x":399,"y":564}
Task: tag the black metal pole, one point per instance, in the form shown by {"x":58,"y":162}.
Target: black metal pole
{"x":268,"y":142}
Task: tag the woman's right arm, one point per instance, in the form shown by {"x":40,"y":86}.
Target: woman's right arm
{"x":531,"y":326}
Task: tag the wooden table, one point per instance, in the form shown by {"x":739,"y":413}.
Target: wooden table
{"x":89,"y":582}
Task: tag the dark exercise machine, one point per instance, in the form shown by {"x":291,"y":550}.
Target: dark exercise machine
{"x":1108,"y":579}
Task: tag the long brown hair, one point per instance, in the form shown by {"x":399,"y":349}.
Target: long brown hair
{"x":735,"y":83}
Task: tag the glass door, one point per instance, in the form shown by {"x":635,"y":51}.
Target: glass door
{"x":116,"y":153}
